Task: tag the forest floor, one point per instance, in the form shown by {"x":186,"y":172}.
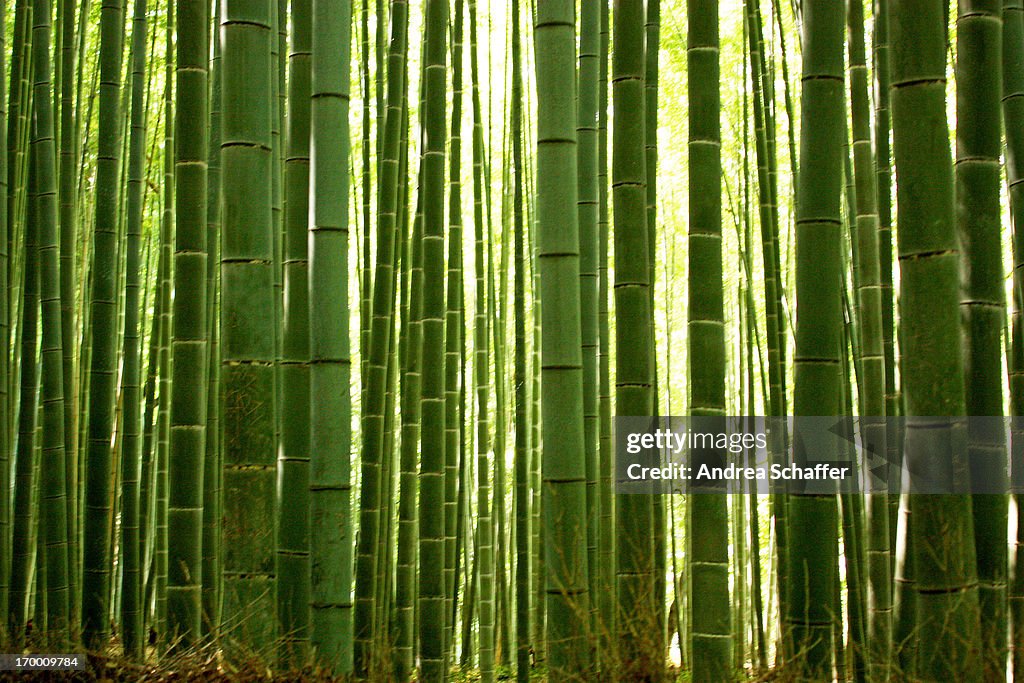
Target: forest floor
{"x":207,"y":666}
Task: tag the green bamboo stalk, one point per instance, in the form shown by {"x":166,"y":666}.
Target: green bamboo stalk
{"x":248,"y":320}
{"x":16,"y":127}
{"x":38,"y":603}
{"x":293,"y":539}
{"x":22,"y":549}
{"x":751,"y":338}
{"x":190,"y":339}
{"x":767,"y":174}
{"x":403,"y":584}
{"x":411,"y":338}
{"x":563,"y":464}
{"x":587,"y":210}
{"x":330,"y":436}
{"x":983,"y":302}
{"x":470,"y":608}
{"x":463,"y":505}
{"x":740,"y":560}
{"x":380,"y":60}
{"x":379,"y":665}
{"x":757,"y":606}
{"x":365,"y":270}
{"x":5,"y":338}
{"x":774,"y":285}
{"x":130,"y":589}
{"x":787,"y":92}
{"x":522,"y":452}
{"x":883,"y":166}
{"x":431,"y":548}
{"x":102,"y":333}
{"x":812,"y":561}
{"x":279,"y":107}
{"x":407,"y":453}
{"x":880,"y":58}
{"x":872,"y":370}
{"x":453,"y":325}
{"x":484,"y":551}
{"x":53,"y":493}
{"x":497,"y":295}
{"x":406,"y":559}
{"x":1013,"y":100}
{"x":68,"y":224}
{"x":606,"y":563}
{"x":147,"y":484}
{"x":652,"y":37}
{"x":165,"y":359}
{"x":212,"y":474}
{"x":538,"y":620}
{"x":851,"y":520}
{"x":636,"y":613}
{"x":941,"y":551}
{"x":711,"y":632}
{"x":463,"y":529}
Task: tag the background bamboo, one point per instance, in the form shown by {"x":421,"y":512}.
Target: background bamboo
{"x":114,"y":198}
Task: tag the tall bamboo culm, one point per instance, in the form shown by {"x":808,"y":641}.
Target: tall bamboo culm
{"x":5,"y":337}
{"x":1013,"y":113}
{"x":813,"y":554}
{"x":983,"y":303}
{"x":293,"y":560}
{"x":871,"y":382}
{"x":431,"y":551}
{"x":941,"y":599}
{"x":247,"y":327}
{"x":190,"y":337}
{"x":635,"y":617}
{"x":99,"y":499}
{"x":711,"y":632}
{"x":53,"y":493}
{"x":331,"y":534}
{"x":131,"y":452}
{"x":558,"y":263}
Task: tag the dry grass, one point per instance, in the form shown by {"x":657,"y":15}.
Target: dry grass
{"x":200,"y":665}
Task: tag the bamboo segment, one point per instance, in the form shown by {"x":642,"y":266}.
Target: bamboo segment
{"x":587,"y":209}
{"x":131,"y":454}
{"x":5,"y":338}
{"x":812,"y":563}
{"x":606,"y":585}
{"x":563,"y":464}
{"x":944,"y":591}
{"x":99,"y":500}
{"x":247,"y":327}
{"x":330,"y":436}
{"x":453,"y":324}
{"x":25,"y":454}
{"x":983,"y":302}
{"x":293,"y":539}
{"x":636,"y":617}
{"x":1013,"y":113}
{"x":190,"y":338}
{"x":484,"y":555}
{"x":711,"y":632}
{"x":522,"y":450}
{"x":870,"y":321}
{"x":432,"y":521}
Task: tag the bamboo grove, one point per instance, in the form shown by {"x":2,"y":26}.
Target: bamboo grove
{"x":319,"y":314}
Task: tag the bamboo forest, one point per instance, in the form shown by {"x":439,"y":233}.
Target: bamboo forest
{"x":329,"y":323}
